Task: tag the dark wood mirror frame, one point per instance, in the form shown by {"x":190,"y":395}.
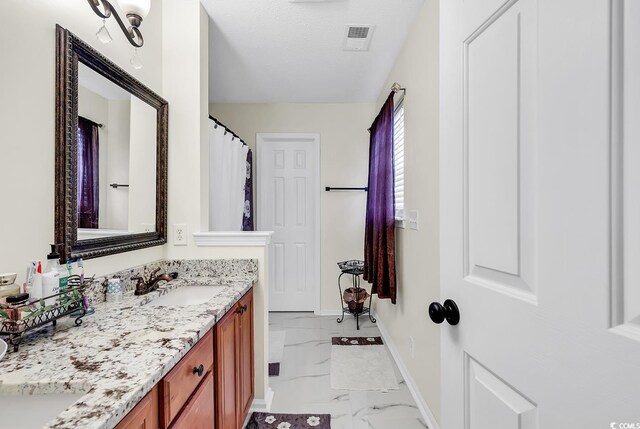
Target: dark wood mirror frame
{"x":69,"y":50}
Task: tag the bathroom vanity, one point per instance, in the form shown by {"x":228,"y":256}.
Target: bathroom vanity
{"x":218,"y":370}
{"x":180,"y":356}
{"x":144,"y":362}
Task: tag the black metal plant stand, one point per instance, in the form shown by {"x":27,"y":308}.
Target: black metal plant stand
{"x":356,"y":269}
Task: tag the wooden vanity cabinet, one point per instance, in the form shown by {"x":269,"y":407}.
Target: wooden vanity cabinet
{"x":211,"y":386}
{"x":245,"y":357}
{"x":198,"y":413}
{"x":177,"y":387}
{"x":233,"y":339}
{"x":144,"y":415}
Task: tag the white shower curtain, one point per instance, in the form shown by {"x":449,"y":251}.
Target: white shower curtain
{"x":227,"y":177}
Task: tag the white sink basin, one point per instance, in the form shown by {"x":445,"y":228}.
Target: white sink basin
{"x":34,"y":411}
{"x":187,"y":295}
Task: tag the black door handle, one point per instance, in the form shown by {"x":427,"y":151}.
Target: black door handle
{"x":449,"y":312}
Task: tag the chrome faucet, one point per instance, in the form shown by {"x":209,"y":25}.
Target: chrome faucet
{"x":145,"y":286}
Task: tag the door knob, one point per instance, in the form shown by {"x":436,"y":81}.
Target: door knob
{"x":449,"y":311}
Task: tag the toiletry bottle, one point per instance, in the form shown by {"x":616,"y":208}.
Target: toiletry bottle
{"x":81,"y":269}
{"x":36,"y":284}
{"x":31,"y":270}
{"x":53,"y":264}
{"x":70,"y":272}
{"x":50,"y":286}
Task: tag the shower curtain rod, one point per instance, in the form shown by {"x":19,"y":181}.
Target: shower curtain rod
{"x":227,"y":129}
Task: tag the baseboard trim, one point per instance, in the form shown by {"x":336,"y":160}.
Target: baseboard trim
{"x":328,"y":313}
{"x":263,"y":404}
{"x":424,"y":409}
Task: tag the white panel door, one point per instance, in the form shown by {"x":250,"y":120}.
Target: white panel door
{"x":540,"y":213}
{"x":288,"y":204}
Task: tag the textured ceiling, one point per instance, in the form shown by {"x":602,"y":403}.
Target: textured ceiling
{"x":278,"y":51}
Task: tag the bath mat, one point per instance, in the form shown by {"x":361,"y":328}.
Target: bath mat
{"x":276,"y":352}
{"x":361,"y":363}
{"x":289,"y":421}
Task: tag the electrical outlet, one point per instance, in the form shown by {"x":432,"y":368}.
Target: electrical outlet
{"x":412,"y":346}
{"x":179,"y":234}
{"x":412,"y":219}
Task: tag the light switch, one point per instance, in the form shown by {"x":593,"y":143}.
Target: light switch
{"x":412,"y":219}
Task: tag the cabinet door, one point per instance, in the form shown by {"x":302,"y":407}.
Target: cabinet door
{"x":199,"y":411}
{"x":177,"y":386}
{"x":226,"y":355}
{"x":144,"y":415}
{"x":245,"y":356}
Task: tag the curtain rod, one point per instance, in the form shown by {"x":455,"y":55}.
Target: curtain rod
{"x":93,"y":122}
{"x":227,"y":129}
{"x":395,"y":88}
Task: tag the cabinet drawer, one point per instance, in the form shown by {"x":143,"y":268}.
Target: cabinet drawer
{"x":198,"y":413}
{"x":177,"y":386}
{"x":144,"y":415}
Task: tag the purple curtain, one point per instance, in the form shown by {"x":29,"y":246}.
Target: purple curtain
{"x":247,"y":218}
{"x":88,"y":191}
{"x":380,"y":233}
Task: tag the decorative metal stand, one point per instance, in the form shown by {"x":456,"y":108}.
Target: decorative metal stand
{"x":38,"y":314}
{"x":356,"y":269}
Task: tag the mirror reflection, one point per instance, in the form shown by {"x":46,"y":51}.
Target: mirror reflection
{"x":116,"y":159}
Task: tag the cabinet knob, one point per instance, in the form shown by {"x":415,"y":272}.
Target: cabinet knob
{"x":242,"y":309}
{"x":198,"y":370}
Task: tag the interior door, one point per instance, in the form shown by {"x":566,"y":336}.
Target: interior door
{"x":540,"y":213}
{"x":288,"y":204}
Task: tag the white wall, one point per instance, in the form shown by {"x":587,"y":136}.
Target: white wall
{"x":344,"y":151}
{"x":117,"y":171}
{"x":27,"y":119}
{"x":142,"y":167}
{"x":418,"y":251}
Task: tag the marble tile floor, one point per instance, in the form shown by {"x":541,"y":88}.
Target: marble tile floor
{"x":304,"y":383}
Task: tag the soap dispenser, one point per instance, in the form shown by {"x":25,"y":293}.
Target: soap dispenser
{"x":56,"y":276}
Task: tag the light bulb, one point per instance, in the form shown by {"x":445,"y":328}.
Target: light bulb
{"x":135,"y":60}
{"x":136,"y":7}
{"x":103,"y":34}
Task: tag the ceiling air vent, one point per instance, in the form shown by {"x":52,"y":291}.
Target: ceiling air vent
{"x":358,"y":37}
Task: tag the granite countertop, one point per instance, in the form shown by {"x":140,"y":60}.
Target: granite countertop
{"x":118,"y":354}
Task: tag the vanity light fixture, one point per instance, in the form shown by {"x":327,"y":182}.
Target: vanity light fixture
{"x":135,"y":60}
{"x":135,"y":11}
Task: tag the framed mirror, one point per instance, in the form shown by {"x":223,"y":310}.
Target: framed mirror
{"x":111,"y":155}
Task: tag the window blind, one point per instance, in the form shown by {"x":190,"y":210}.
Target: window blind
{"x":398,"y":160}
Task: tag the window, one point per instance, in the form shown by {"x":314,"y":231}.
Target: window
{"x":398,"y":160}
